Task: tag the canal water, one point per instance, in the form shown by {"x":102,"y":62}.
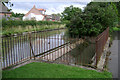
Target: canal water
{"x":114,"y":60}
{"x":17,"y":49}
{"x":81,"y":55}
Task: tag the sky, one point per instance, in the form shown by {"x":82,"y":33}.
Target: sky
{"x":53,"y":6}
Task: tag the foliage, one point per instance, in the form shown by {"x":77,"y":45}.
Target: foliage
{"x":58,"y":14}
{"x":69,"y":12}
{"x":46,"y":70}
{"x":116,"y":28}
{"x":11,"y":23}
{"x":118,"y":8}
{"x":18,"y":15}
{"x":95,"y":18}
{"x":10,"y":27}
{"x":20,"y":29}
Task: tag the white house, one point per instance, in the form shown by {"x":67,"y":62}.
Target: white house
{"x":35,"y":14}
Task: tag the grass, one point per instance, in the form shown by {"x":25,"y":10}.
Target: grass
{"x":116,"y":28}
{"x":20,"y":29}
{"x":46,"y":70}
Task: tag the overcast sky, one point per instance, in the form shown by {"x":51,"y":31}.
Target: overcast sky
{"x":53,"y":6}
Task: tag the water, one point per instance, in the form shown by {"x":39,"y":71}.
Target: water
{"x":18,"y":49}
{"x":15,"y":49}
{"x":81,"y":55}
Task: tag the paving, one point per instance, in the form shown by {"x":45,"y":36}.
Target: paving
{"x":113,"y":58}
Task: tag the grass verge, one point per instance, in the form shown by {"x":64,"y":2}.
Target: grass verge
{"x":20,"y":29}
{"x":46,"y":70}
{"x":116,"y":28}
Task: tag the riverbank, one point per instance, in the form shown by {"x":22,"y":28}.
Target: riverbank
{"x":13,"y":31}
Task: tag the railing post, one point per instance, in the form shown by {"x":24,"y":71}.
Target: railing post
{"x":29,"y":45}
{"x":96,"y":53}
{"x":31,"y":48}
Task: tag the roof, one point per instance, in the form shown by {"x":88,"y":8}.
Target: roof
{"x":41,"y":9}
{"x":35,"y":11}
{"x":4,"y":9}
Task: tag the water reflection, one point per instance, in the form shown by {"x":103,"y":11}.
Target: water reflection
{"x":17,"y":49}
{"x":81,"y":55}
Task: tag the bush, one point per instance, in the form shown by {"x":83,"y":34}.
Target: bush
{"x":95,"y":18}
{"x":11,"y":23}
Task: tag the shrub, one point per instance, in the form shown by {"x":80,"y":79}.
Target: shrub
{"x":12,"y":23}
{"x":95,"y":18}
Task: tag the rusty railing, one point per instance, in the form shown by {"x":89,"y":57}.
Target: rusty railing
{"x":100,"y":43}
{"x":57,"y":48}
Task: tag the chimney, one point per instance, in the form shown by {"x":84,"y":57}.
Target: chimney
{"x":34,"y":6}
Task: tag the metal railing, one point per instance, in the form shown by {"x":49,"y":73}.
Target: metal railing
{"x":100,"y":43}
{"x":12,"y":50}
{"x":46,"y":47}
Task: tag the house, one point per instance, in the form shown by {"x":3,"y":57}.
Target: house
{"x":4,"y":13}
{"x":48,"y":17}
{"x":52,"y":17}
{"x":39,"y":15}
{"x":35,"y":14}
{"x":55,"y":17}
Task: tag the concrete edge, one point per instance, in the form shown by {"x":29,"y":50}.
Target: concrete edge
{"x":101,"y":62}
{"x":30,"y":61}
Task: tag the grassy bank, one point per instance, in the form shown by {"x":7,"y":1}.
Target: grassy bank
{"x":116,"y":28}
{"x":14,"y":23}
{"x":45,"y":70}
{"x":29,"y":28}
{"x":10,"y":27}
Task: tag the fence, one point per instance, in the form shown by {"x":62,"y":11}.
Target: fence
{"x":13,"y":50}
{"x":100,"y":43}
{"x":55,"y":47}
{"x":44,"y":46}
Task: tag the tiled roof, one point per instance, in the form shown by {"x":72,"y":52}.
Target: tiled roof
{"x":35,"y":11}
{"x":41,"y":9}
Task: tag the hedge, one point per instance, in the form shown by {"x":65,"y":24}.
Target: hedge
{"x":14,"y":23}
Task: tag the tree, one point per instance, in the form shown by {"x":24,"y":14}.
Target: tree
{"x":118,"y":8}
{"x":69,"y":12}
{"x":18,"y":15}
{"x":103,"y":13}
{"x":95,"y":18}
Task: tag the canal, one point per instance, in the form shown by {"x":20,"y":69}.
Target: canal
{"x":17,"y":49}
